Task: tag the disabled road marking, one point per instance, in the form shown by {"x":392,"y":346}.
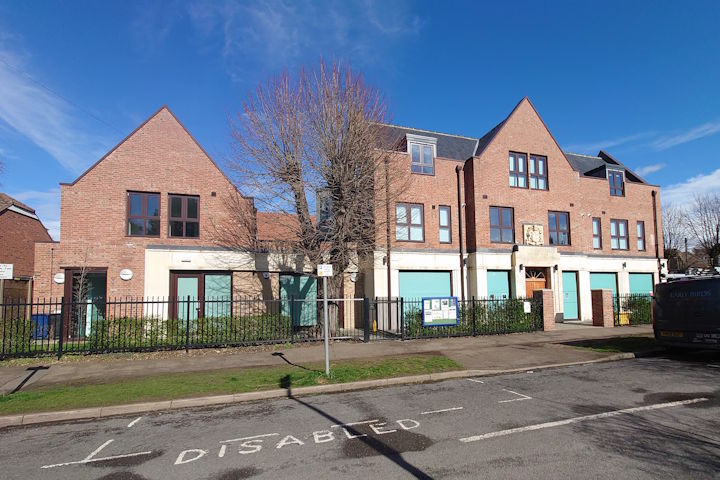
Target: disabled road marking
{"x":91,"y":458}
{"x":584,"y":418}
{"x":134,"y":422}
{"x":442,"y":411}
{"x":523,"y":397}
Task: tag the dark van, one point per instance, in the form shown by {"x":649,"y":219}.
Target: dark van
{"x":686,"y":313}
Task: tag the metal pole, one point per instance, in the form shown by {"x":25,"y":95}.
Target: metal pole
{"x":325,"y":314}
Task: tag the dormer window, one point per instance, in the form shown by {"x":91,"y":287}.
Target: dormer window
{"x":422,"y":154}
{"x":617,"y":182}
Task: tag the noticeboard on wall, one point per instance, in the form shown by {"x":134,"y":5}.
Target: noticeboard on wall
{"x":440,"y":311}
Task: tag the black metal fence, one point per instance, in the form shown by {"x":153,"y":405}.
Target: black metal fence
{"x":57,"y":327}
{"x":632,"y":309}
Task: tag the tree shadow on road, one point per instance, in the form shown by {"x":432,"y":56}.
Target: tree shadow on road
{"x":391,"y":447}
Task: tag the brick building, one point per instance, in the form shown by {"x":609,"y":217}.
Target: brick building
{"x":496,"y":216}
{"x":533,"y":216}
{"x":20,"y":228}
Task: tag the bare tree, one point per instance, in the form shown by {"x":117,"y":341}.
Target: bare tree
{"x":316,"y":141}
{"x":703,"y":222}
{"x":674,"y":231}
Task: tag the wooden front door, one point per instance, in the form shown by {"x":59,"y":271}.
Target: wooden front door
{"x":535,"y":279}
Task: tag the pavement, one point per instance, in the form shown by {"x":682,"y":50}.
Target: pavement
{"x":485,"y":353}
{"x":644,"y":418}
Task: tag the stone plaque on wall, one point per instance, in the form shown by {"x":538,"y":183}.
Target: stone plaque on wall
{"x":533,"y":234}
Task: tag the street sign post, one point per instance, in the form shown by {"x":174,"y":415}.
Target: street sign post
{"x":325,"y":270}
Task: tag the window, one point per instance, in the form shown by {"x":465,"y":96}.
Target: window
{"x":559,"y":228}
{"x":409,"y":226}
{"x":618,"y":234}
{"x":538,"y":172}
{"x":184,"y":216}
{"x":641,"y":236}
{"x":518,"y":170}
{"x":617,"y":185}
{"x":143,"y":214}
{"x":502,"y":225}
{"x":597,"y":233}
{"x":421,"y":158}
{"x":445,"y":236}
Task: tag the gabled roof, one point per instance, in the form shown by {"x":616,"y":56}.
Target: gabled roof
{"x":454,"y":147}
{"x":6,"y":201}
{"x":166,"y":108}
{"x":596,"y":166}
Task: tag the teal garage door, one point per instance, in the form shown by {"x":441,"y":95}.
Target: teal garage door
{"x":641,"y":283}
{"x":606,"y":281}
{"x":570,"y":296}
{"x":303,"y":290}
{"x":415,"y":285}
{"x":498,"y":284}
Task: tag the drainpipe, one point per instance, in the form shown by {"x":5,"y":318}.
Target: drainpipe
{"x":459,"y":169}
{"x":655,"y":227}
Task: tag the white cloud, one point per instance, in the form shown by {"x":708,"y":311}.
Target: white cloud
{"x":594,"y":147}
{"x":46,"y":205}
{"x":649,"y":169}
{"x":44,"y":118}
{"x":695,"y":133}
{"x":273,"y":33}
{"x":682,"y":193}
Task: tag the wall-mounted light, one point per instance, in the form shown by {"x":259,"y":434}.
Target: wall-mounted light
{"x":522,"y":267}
{"x":353,"y":277}
{"x":556,"y":267}
{"x":385,"y":260}
{"x":266,"y":275}
{"x":624,"y":265}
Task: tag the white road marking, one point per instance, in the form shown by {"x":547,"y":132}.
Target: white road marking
{"x":584,"y":418}
{"x":354,"y":423}
{"x":523,"y":397}
{"x":711,"y":365}
{"x":474,"y":380}
{"x":249,"y":438}
{"x":441,"y":411}
{"x":91,"y":458}
{"x":134,"y":422}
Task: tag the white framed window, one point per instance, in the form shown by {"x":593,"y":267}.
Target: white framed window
{"x":618,"y":234}
{"x":597,"y":233}
{"x":445,"y":232}
{"x":409,"y":223}
{"x":422,"y":152}
{"x":641,"y":236}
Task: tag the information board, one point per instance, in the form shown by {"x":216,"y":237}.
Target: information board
{"x":439,"y":311}
{"x":6,"y":271}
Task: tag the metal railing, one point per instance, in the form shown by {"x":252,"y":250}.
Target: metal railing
{"x":632,"y":309}
{"x":58,"y":327}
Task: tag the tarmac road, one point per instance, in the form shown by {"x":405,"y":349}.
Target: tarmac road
{"x":643,"y":418}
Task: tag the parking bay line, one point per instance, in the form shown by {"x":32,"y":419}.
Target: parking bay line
{"x":523,"y":397}
{"x":584,"y":418}
{"x":442,"y":411}
{"x":91,"y":458}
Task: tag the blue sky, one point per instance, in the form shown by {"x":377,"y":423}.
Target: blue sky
{"x":638,"y":79}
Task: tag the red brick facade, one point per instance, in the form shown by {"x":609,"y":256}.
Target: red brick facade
{"x":159,"y":157}
{"x":18,"y":234}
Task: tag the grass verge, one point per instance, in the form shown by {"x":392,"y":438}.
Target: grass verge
{"x":186,"y":385}
{"x":618,"y":344}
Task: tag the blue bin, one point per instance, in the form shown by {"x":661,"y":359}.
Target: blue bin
{"x":41,"y":326}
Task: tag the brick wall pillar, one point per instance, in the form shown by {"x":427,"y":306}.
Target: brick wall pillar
{"x":548,"y":307}
{"x":602,"y":308}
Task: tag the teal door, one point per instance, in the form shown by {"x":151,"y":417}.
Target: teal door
{"x":303,"y":290}
{"x":218,"y":295}
{"x":604,"y":281}
{"x":570,"y":296}
{"x":498,"y":284}
{"x":641,"y":283}
{"x":187,"y":287}
{"x":415,"y":285}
